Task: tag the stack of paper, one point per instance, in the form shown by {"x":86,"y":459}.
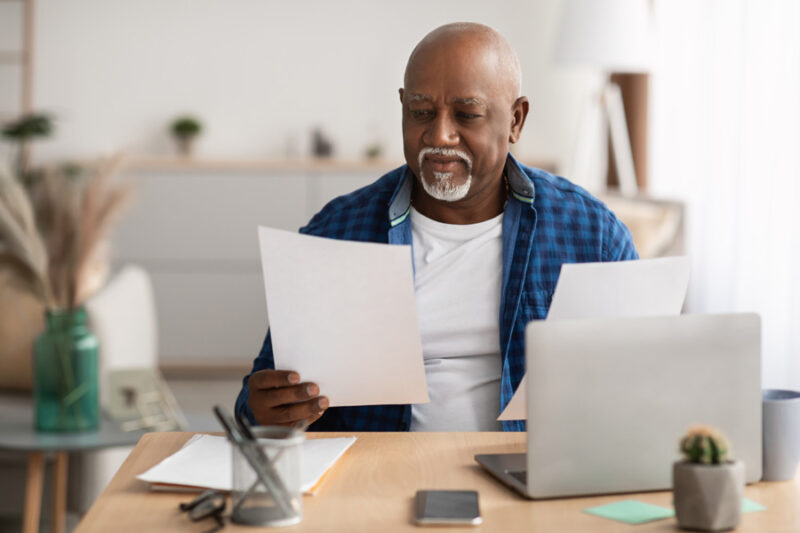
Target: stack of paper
{"x":205,"y":463}
{"x":649,"y":287}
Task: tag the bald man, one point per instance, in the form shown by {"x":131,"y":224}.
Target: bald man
{"x":489,"y":236}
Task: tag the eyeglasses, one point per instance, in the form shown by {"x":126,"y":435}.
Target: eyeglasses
{"x":209,"y":504}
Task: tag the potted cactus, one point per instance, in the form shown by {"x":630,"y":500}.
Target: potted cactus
{"x":708,"y":484}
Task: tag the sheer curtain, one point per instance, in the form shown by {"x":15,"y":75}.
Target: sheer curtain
{"x":725,"y":137}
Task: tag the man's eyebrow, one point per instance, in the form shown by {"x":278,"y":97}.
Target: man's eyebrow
{"x":416,"y":97}
{"x":470,"y":101}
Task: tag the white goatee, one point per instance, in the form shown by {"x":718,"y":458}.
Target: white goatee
{"x":442,"y":186}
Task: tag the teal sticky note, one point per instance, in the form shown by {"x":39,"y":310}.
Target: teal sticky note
{"x":749,"y":506}
{"x":631,"y":512}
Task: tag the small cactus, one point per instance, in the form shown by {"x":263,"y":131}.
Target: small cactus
{"x":705,"y":445}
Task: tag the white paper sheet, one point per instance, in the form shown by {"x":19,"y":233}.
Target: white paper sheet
{"x":647,"y":287}
{"x":343,"y":315}
{"x":205,"y":462}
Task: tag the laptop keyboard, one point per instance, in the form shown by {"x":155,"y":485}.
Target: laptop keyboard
{"x":519,"y":475}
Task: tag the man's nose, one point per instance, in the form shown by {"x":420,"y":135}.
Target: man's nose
{"x":442,"y":132}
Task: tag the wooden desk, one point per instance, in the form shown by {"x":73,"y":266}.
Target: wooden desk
{"x":372,"y":486}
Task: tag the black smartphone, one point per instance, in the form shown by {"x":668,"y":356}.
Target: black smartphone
{"x":447,"y":507}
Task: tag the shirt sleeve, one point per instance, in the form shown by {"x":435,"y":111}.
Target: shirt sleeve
{"x":617,"y":240}
{"x":264,"y":360}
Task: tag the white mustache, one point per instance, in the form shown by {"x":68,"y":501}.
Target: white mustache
{"x":447,"y":152}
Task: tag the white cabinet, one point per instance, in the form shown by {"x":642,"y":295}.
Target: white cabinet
{"x":193,"y":227}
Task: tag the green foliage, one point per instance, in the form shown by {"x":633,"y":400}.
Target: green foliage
{"x":705,"y":445}
{"x":186,"y":127}
{"x":373,"y":151}
{"x":28,"y":126}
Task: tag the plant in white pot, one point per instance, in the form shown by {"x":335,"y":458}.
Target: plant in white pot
{"x":186,"y":129}
{"x":708,"y":485}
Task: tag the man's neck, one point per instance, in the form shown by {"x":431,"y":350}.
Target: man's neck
{"x":485,"y":205}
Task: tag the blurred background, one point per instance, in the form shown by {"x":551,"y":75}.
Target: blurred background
{"x":682,"y":114}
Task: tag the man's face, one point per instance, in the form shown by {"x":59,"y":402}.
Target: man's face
{"x":457,"y":119}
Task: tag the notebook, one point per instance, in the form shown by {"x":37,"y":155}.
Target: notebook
{"x":204,"y":462}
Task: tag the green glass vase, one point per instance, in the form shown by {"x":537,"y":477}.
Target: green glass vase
{"x":65,"y":373}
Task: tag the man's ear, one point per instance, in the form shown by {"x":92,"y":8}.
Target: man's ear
{"x":519,"y":112}
{"x":400,"y":90}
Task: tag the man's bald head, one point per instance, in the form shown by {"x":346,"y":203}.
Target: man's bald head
{"x":461,"y":109}
{"x":472,"y":41}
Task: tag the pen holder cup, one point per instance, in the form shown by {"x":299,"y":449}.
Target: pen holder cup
{"x":255,"y":503}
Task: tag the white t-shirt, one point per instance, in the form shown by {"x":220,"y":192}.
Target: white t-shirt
{"x":458,"y":277}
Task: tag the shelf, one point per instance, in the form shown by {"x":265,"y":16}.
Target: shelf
{"x":284,"y":165}
{"x":200,"y":369}
{"x":291,"y":165}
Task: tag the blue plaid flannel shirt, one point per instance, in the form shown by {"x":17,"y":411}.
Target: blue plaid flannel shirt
{"x":548,"y":221}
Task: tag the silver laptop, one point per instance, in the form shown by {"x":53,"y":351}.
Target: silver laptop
{"x":609,"y":399}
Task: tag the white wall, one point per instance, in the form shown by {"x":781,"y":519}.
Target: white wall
{"x":262,"y":73}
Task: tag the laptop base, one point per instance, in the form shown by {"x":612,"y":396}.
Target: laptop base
{"x":509,"y":468}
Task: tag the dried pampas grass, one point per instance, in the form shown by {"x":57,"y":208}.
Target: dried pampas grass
{"x":56,"y":244}
{"x":22,"y":249}
{"x":103,"y":202}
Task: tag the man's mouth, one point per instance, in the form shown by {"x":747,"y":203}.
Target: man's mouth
{"x":443,"y":164}
{"x":444,"y":161}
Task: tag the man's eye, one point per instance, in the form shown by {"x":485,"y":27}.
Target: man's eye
{"x":467,"y":116}
{"x":421,"y":113}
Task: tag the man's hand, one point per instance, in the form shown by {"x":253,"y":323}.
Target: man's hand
{"x":277,"y":398}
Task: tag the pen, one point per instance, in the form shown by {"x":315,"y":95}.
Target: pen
{"x":258,"y":460}
{"x":246,"y":428}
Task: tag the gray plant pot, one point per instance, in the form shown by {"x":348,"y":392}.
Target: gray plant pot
{"x":708,"y":497}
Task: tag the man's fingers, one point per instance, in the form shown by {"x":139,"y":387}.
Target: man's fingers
{"x":270,"y":379}
{"x":312,"y":419}
{"x":298,"y":411}
{"x":308,"y":421}
{"x":286,"y":395}
{"x":278,"y":398}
